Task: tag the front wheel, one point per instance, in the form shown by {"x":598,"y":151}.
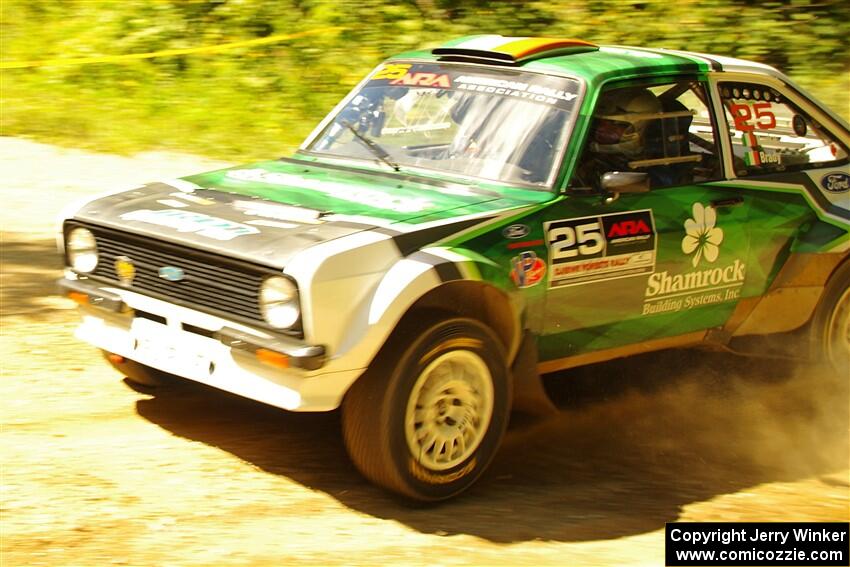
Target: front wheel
{"x":831,"y":324}
{"x":427,"y":417}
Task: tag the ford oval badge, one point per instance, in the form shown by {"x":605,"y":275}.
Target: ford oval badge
{"x":515,"y":231}
{"x":172,"y":273}
{"x":836,"y":182}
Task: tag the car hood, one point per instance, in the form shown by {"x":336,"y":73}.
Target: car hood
{"x":267,"y":212}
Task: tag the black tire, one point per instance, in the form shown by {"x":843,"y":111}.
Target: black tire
{"x":139,"y":373}
{"x":455,"y":368}
{"x":831,"y":324}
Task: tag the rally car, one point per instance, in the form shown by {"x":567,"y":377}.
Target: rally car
{"x":472,"y":216}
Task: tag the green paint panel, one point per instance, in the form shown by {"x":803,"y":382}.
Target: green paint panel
{"x":361,"y":194}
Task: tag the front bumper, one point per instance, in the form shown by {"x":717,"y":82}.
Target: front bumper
{"x":207,"y":349}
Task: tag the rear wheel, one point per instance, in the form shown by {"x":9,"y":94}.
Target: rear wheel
{"x":831,"y":324}
{"x":139,"y":373}
{"x":427,"y":418}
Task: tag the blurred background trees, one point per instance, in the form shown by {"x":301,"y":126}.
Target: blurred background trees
{"x":261,"y":101}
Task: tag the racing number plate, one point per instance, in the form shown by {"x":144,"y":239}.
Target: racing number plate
{"x":168,"y":349}
{"x":601,"y":247}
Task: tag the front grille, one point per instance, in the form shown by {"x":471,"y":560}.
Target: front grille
{"x":211,"y":283}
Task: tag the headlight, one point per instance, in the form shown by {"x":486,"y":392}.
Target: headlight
{"x":82,"y":250}
{"x":279,"y":302}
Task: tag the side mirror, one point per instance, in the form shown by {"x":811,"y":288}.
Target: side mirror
{"x":625,"y":182}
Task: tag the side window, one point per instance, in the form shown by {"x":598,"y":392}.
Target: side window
{"x":770,"y":134}
{"x":664,"y":131}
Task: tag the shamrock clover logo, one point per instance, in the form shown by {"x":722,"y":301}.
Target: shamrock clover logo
{"x":701,"y":234}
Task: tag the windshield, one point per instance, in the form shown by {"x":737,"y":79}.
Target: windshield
{"x":496,"y":124}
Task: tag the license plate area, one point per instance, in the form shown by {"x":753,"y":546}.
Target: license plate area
{"x":170,"y":349}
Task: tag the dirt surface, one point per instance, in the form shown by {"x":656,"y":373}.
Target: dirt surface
{"x":96,"y":473}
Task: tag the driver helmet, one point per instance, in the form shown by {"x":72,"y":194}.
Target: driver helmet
{"x":621,"y":121}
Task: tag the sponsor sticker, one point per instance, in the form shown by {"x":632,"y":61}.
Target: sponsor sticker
{"x":182,"y":185}
{"x":603,"y":247}
{"x":548,"y":90}
{"x":360,"y":195}
{"x":525,"y":244}
{"x":278,"y":212}
{"x":702,"y":237}
{"x":422,"y":79}
{"x":194,"y":199}
{"x":125,"y":270}
{"x":173,"y":203}
{"x":392,"y":71}
{"x":836,"y":182}
{"x":185,"y":221}
{"x":666,"y":292}
{"x":527,"y":269}
{"x":757,"y":116}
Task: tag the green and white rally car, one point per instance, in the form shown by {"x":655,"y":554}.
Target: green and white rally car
{"x":468,"y":218}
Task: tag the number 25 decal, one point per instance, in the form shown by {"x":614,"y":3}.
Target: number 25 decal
{"x":743,"y":113}
{"x":564,"y":239}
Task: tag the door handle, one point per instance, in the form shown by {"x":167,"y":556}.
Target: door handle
{"x":727,"y":203}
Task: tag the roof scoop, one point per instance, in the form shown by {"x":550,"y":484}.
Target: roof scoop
{"x":501,"y":50}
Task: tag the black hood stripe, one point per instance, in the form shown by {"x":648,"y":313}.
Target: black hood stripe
{"x":446,"y":270}
{"x":409,"y":242}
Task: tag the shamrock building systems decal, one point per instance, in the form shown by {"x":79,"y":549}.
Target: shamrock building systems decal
{"x":668,"y":292}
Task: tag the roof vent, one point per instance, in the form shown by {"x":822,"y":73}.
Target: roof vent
{"x":500,"y":50}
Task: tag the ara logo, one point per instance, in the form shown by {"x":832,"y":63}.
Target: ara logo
{"x":424,"y":80}
{"x":629,"y":228}
{"x":515,"y":231}
{"x":172,"y":273}
{"x":836,"y":182}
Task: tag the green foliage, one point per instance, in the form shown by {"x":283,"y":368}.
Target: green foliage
{"x":263,"y":100}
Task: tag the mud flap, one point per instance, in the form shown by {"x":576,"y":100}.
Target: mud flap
{"x":529,"y":395}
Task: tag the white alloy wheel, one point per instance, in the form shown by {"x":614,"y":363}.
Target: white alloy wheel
{"x":837,"y":331}
{"x":426,"y":419}
{"x":449,"y":410}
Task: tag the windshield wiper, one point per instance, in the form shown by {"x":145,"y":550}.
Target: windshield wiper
{"x":373,"y":147}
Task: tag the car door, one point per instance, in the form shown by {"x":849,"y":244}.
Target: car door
{"x":791,"y":168}
{"x":637,"y":266}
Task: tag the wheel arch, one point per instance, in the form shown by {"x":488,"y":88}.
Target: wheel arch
{"x":418,"y":288}
{"x":793,"y":298}
{"x":476,"y":300}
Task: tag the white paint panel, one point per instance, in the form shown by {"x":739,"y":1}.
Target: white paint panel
{"x":394,"y":284}
{"x":332,"y":271}
{"x":374,"y":321}
{"x":188,"y":355}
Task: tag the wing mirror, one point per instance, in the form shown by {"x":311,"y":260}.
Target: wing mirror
{"x":625,"y":182}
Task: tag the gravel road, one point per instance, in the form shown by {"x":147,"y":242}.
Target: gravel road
{"x":95,"y":472}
